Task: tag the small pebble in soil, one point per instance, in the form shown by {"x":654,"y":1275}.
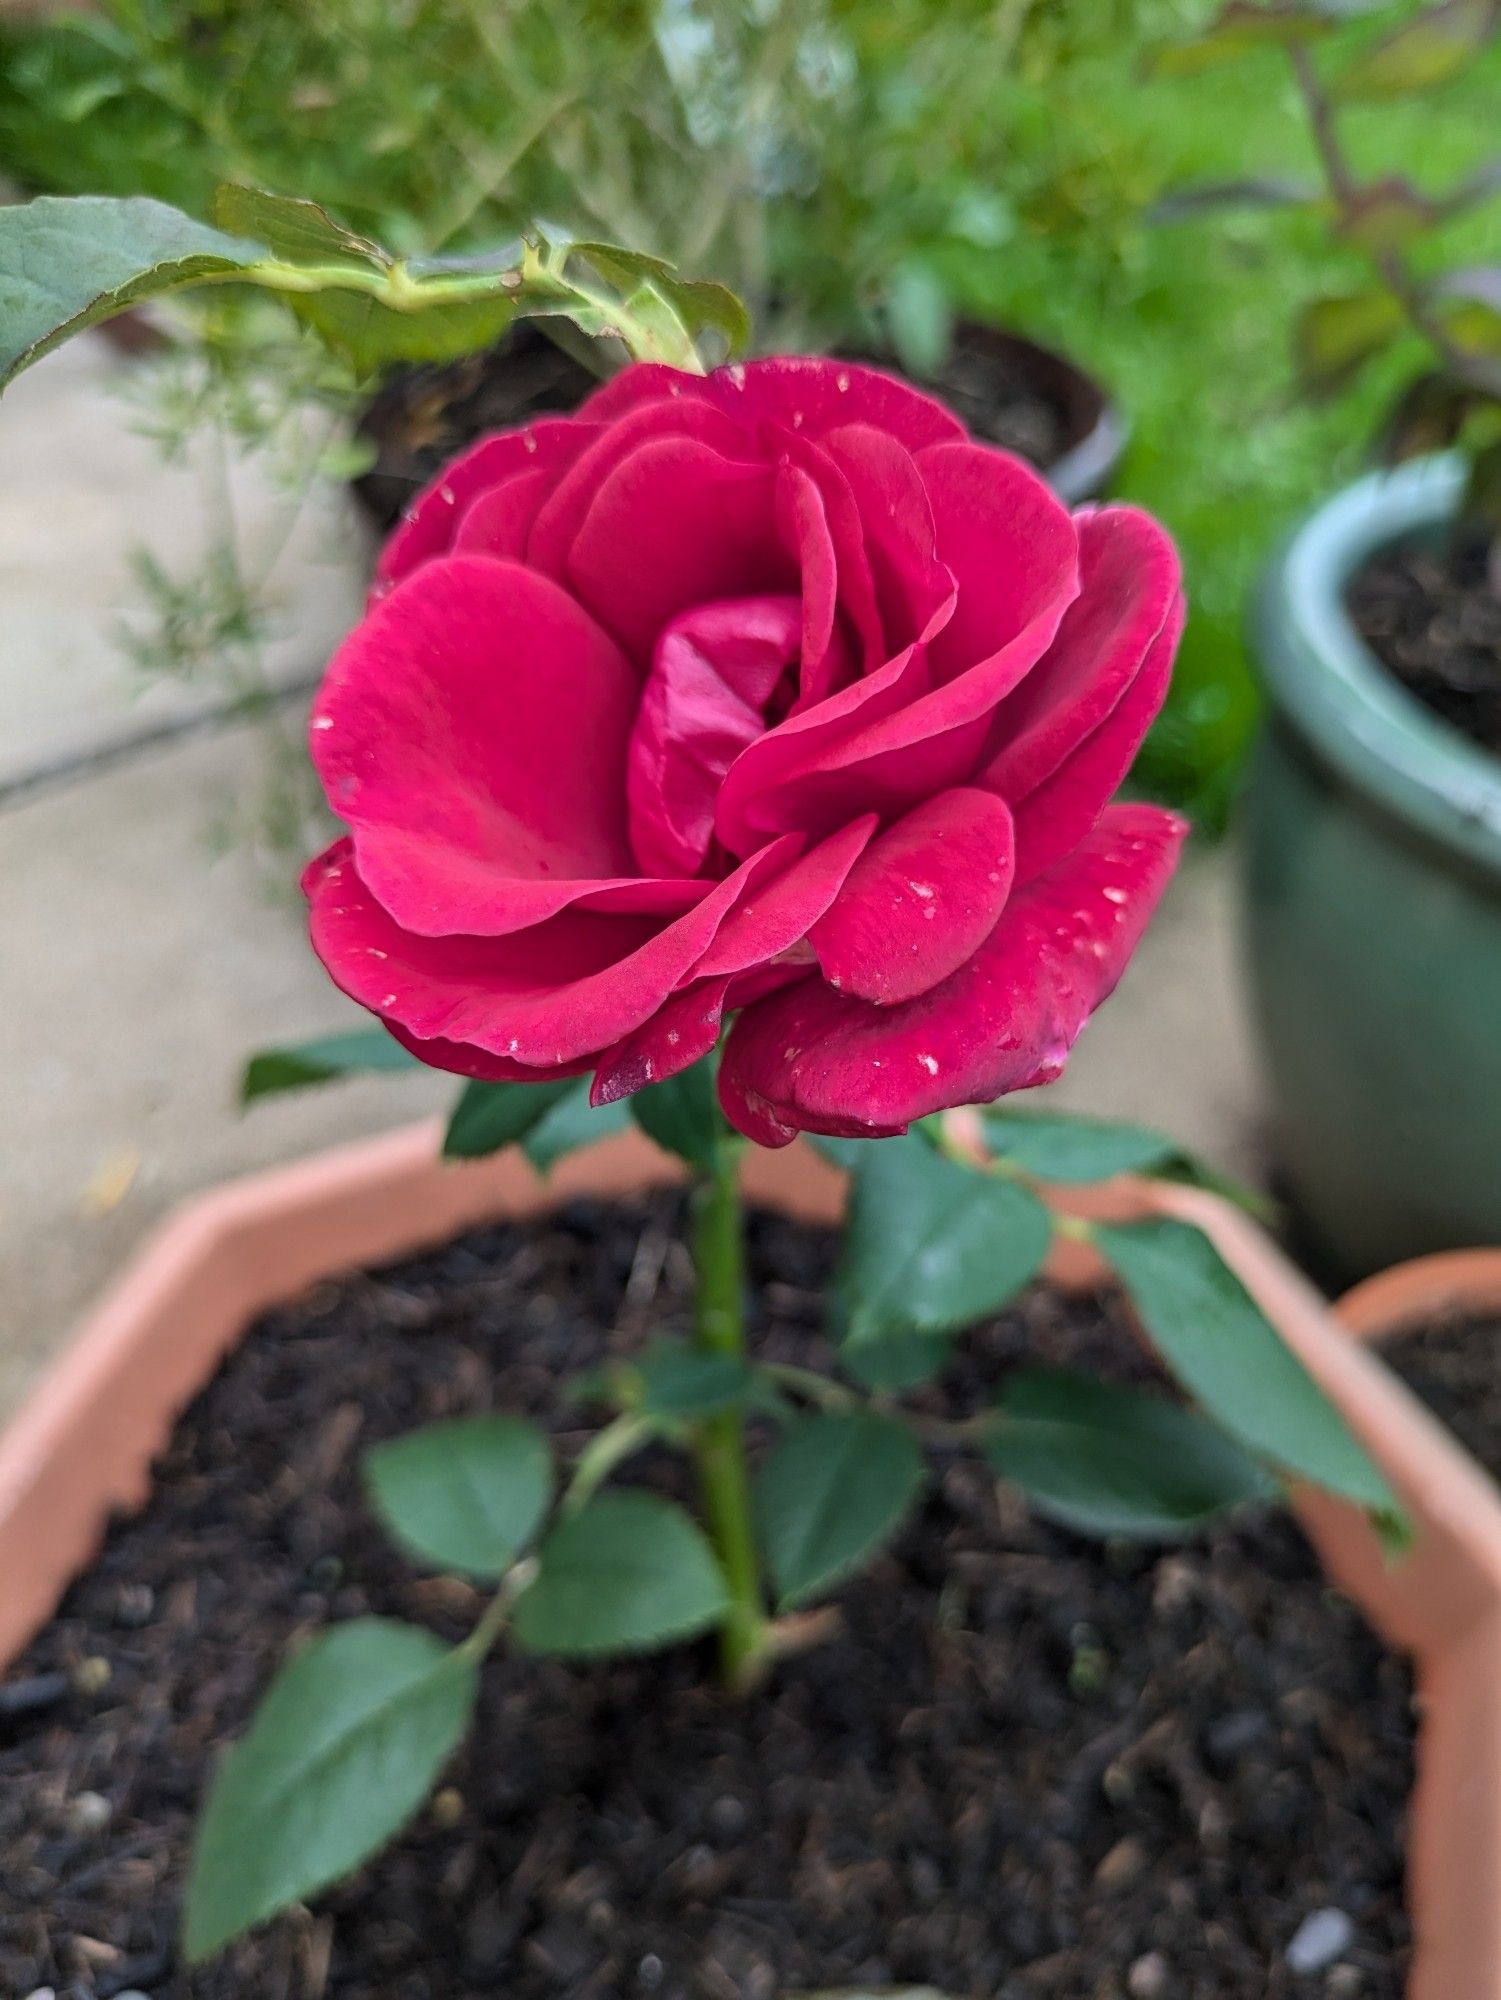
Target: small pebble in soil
{"x":88,"y":1812}
{"x":1321,"y":1938}
{"x":1147,"y":1979}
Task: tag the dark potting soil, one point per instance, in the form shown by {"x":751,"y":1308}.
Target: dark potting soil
{"x":1455,"y":1367}
{"x":999,"y":398}
{"x":1433,"y":618}
{"x":422,"y":416}
{"x":1023,"y":1765}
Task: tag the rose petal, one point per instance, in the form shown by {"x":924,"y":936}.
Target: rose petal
{"x":782,"y":911}
{"x":891,"y":502}
{"x":447,"y":736}
{"x":428,"y":527}
{"x":1129,"y":582}
{"x":810,"y":1060}
{"x":823,"y":531}
{"x":920,"y":900}
{"x":557,"y":524}
{"x":676,"y":524}
{"x":806,"y":393}
{"x":459,"y":1059}
{"x":890,"y":742}
{"x":554,"y":993}
{"x":713,"y":673}
{"x":1011,"y":548}
{"x":750,"y":800}
{"x":1055,"y":817}
{"x":679,"y":1034}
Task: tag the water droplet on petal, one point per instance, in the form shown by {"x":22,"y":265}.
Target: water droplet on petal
{"x":930,"y":1064}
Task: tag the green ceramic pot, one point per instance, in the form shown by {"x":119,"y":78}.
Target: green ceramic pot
{"x":1373,"y":910}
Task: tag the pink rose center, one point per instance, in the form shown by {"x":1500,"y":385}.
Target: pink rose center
{"x":721,"y":675}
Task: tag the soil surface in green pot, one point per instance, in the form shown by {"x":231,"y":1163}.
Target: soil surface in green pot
{"x":1024,"y":1764}
{"x":1454,"y":1365}
{"x":1432,"y":616}
{"x":1006,"y":390}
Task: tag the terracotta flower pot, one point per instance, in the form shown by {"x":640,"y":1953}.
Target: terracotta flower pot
{"x":82,"y":1448}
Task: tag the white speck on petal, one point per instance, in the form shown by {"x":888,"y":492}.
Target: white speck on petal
{"x":389,"y":1001}
{"x":930,"y":1064}
{"x":797,"y":420}
{"x":445,"y":494}
{"x":841,"y":381}
{"x":529,"y":441}
{"x":923,"y":889}
{"x":736,"y":375}
{"x":512,"y":1045}
{"x":374,"y":951}
{"x":323,"y":722}
{"x":1114,"y":895}
{"x":673,"y":1038}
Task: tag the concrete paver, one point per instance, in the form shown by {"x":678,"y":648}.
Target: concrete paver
{"x":80,"y":490}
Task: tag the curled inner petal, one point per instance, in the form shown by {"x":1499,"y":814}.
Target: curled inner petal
{"x":714,"y":674}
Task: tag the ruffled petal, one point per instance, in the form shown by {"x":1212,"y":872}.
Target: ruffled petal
{"x":676,"y":524}
{"x":553,"y":994}
{"x":808,"y":1059}
{"x":447,"y":735}
{"x":913,"y":589}
{"x":806,"y":393}
{"x":1130,"y":582}
{"x":920,"y":900}
{"x":558,"y":522}
{"x":1013,"y":552}
{"x":536,"y":455}
{"x":1055,"y":817}
{"x":712,"y":675}
{"x":679,"y":1034}
{"x":782,"y":911}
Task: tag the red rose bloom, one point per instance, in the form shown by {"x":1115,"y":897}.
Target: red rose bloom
{"x":768,"y":691}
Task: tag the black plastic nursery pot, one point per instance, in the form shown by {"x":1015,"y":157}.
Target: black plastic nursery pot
{"x":1009,"y":390}
{"x":1372,"y":849}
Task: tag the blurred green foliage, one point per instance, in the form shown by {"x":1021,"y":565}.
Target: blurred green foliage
{"x":842,"y":162}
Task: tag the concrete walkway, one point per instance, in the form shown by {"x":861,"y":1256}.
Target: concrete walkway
{"x":138,"y":967}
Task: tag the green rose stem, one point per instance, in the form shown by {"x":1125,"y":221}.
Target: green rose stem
{"x":718,"y":1241}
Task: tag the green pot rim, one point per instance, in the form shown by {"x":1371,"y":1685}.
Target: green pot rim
{"x":1325,"y":681}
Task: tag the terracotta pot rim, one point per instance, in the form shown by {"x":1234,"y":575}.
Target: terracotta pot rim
{"x":81,"y":1448}
{"x":1444,"y":1284}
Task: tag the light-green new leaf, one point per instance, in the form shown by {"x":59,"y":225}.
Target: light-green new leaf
{"x":67,"y":263}
{"x":342,"y":1751}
